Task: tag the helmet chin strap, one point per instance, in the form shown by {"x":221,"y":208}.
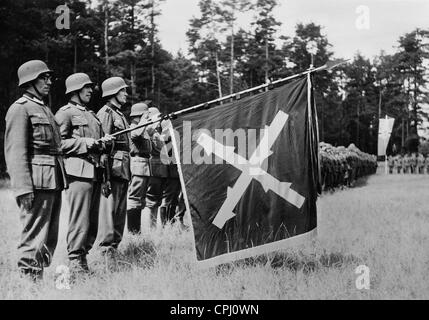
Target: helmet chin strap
{"x":80,"y":99}
{"x":37,"y":91}
{"x":77,"y":94}
{"x":116,"y":98}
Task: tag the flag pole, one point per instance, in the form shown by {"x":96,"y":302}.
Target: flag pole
{"x":327,"y":66}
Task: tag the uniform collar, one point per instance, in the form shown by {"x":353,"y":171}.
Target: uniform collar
{"x":33,"y":98}
{"x":114,"y":108}
{"x":77,"y":105}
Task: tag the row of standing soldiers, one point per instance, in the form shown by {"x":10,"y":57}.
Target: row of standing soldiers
{"x":342,"y":166}
{"x":104,"y":178}
{"x":414,"y":163}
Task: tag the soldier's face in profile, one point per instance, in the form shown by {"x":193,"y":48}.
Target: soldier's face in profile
{"x":135,"y":120}
{"x":122,"y":96}
{"x":43,"y":84}
{"x":86,"y":94}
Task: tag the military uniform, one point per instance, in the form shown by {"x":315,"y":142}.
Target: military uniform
{"x":427,"y":163}
{"x":391,"y":163}
{"x":35,"y":165}
{"x":112,"y":212}
{"x":406,"y":163}
{"x":421,"y":163}
{"x":181,"y":208}
{"x":141,"y":148}
{"x":413,"y":163}
{"x":164,"y":184}
{"x":83,"y":172}
{"x":398,"y":163}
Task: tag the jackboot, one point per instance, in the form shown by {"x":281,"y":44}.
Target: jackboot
{"x":153,"y":214}
{"x":110,"y":259}
{"x":78,"y":268}
{"x":134,"y":220}
{"x":163,"y":213}
{"x":31,"y":274}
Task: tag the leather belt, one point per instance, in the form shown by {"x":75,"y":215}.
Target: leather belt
{"x":121,"y":147}
{"x":42,"y":152}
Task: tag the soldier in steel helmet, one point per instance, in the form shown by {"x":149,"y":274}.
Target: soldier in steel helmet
{"x":35,"y":165}
{"x":164,"y":185}
{"x":406,"y":163}
{"x":113,"y":203}
{"x":420,"y":163}
{"x":391,"y":163}
{"x":413,"y":163}
{"x":398,"y":163}
{"x":427,"y":163}
{"x":83,"y":142}
{"x":141,"y":148}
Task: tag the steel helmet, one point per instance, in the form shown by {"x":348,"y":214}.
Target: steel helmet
{"x":153,"y":113}
{"x":138,"y":109}
{"x":77,"y":81}
{"x":31,"y":70}
{"x":112,"y":86}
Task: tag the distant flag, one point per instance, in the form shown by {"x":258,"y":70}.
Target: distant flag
{"x":384,"y":131}
{"x":250,"y":200}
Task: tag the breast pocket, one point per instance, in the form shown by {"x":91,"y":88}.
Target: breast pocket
{"x":121,"y":165}
{"x":80,"y":126}
{"x":140,"y":167}
{"x":42,"y":128}
{"x":43,"y":172}
{"x":119,"y":125}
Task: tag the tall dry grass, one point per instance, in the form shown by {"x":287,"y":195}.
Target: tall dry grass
{"x":382,"y":223}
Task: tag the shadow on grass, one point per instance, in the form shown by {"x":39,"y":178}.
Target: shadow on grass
{"x":311,"y":263}
{"x":361,"y":182}
{"x":291,"y":261}
{"x":141,"y":254}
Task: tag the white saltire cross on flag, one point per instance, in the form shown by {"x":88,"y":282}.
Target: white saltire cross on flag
{"x":251,"y":169}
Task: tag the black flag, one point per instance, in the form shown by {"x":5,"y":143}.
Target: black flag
{"x":249,"y":169}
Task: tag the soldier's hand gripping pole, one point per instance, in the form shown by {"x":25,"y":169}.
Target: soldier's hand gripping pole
{"x":159,"y":119}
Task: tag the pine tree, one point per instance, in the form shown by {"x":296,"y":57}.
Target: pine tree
{"x":413,"y":51}
{"x":264,"y":60}
{"x":203,"y":37}
{"x":229,"y":10}
{"x":326,"y":89}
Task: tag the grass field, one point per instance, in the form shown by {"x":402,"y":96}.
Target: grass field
{"x":382,"y":223}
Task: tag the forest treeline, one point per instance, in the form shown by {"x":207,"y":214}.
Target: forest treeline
{"x":121,"y":38}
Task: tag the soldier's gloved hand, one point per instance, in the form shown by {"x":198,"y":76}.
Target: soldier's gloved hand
{"x":92,"y":144}
{"x":26,"y":201}
{"x":107,"y":138}
{"x":106,"y":189}
{"x":150,"y":131}
{"x":158,"y":141}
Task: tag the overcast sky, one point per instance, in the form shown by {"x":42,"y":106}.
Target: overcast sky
{"x":388,"y":20}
